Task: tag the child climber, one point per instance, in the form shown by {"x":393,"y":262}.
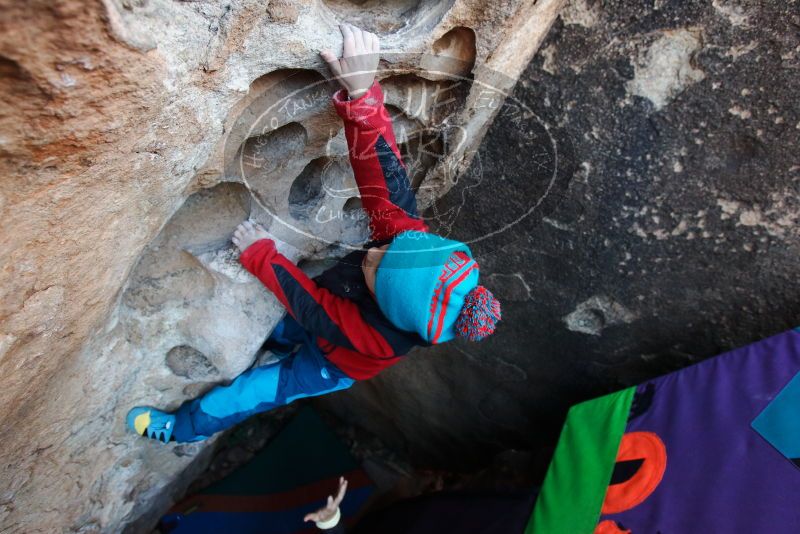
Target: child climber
{"x":410,"y":287}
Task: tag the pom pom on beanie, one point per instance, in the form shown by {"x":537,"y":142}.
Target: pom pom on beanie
{"x":479,"y":315}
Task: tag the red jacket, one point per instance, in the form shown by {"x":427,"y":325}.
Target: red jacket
{"x":336,"y":306}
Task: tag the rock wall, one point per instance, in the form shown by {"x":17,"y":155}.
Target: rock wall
{"x":658,"y":169}
{"x":135,"y":135}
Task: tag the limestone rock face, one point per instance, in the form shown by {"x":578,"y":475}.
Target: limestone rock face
{"x":135,"y":135}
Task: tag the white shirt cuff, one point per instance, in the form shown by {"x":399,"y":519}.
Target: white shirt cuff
{"x":330,"y":523}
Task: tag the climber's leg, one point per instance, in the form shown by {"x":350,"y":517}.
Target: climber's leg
{"x":305,"y":374}
{"x":286,"y":335}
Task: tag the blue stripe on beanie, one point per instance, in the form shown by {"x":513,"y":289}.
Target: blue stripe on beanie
{"x":407,"y":279}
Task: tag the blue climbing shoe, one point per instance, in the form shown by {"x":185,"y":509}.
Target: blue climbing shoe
{"x":151,"y":423}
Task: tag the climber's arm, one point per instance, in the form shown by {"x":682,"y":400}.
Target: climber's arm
{"x":380,"y":173}
{"x":333,"y":318}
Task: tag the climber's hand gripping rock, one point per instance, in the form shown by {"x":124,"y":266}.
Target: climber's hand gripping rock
{"x":248,"y":233}
{"x":356,"y":69}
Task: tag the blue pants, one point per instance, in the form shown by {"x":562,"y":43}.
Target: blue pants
{"x":305,"y":373}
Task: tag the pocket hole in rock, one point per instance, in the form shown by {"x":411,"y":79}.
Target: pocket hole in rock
{"x":429,"y":101}
{"x":188,"y":362}
{"x":453,"y":54}
{"x":352,"y":204}
{"x":273,"y":100}
{"x":266,"y":155}
{"x":168,"y":272}
{"x":306,"y":193}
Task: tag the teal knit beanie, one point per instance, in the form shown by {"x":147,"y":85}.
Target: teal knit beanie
{"x":429,"y":285}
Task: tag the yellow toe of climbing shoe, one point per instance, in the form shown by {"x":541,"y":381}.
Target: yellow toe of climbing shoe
{"x":151,"y":423}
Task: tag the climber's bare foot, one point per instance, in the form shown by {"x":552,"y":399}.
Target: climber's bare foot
{"x":248,"y":233}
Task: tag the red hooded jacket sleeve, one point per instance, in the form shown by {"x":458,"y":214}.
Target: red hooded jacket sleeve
{"x":380,"y":173}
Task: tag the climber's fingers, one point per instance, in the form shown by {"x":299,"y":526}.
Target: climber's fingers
{"x":332,"y":61}
{"x":374,"y":43}
{"x":328,"y":55}
{"x":349,"y":44}
{"x":358,"y":39}
{"x":342,"y":490}
{"x":245,"y":227}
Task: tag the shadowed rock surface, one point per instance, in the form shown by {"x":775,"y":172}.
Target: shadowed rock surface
{"x":669,"y":233}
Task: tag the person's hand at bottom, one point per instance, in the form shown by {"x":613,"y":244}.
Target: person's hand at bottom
{"x":327,"y":512}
